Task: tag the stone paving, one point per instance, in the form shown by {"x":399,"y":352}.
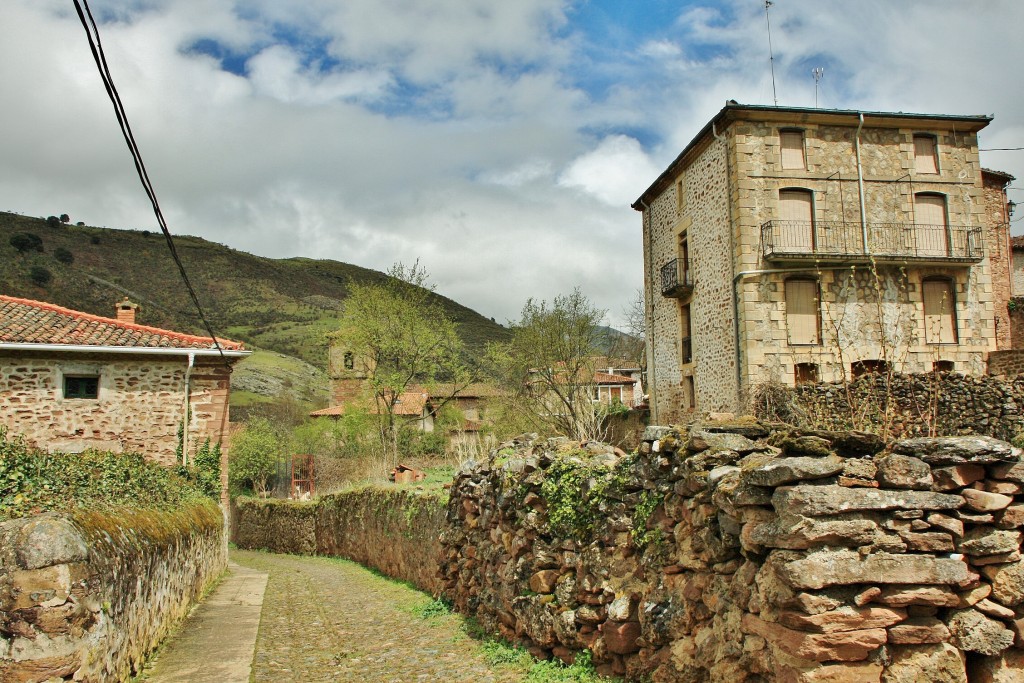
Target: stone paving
{"x":326,"y":619}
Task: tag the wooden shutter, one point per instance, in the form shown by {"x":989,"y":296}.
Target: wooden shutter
{"x":924,"y":154}
{"x":939,"y":312}
{"x":792,"y":149}
{"x":802,"y":311}
{"x":796,"y":213}
{"x":930,"y":225}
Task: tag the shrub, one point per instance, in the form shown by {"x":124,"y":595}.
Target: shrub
{"x":26,"y":241}
{"x":95,"y":239}
{"x":40,"y":276}
{"x":53,"y":221}
{"x":63,"y":255}
{"x":33,"y":481}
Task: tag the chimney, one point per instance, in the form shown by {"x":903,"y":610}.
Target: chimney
{"x":126,"y":311}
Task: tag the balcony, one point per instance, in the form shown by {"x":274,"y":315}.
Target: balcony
{"x":676,"y":279}
{"x":840,"y":242}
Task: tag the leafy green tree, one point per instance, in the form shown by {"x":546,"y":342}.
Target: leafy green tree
{"x":39,"y":275}
{"x":63,"y":255}
{"x":549,"y":365}
{"x":254,"y":455}
{"x":404,"y":337}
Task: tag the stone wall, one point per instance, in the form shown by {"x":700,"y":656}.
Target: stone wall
{"x":997,"y":237}
{"x":1017,"y":319}
{"x":140,"y":407}
{"x":728,"y":554}
{"x":393,"y":530}
{"x":88,"y":596}
{"x":910,"y":405}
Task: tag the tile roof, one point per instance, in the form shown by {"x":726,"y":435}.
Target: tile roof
{"x":24,"y":321}
{"x":605,"y":378}
{"x":1017,"y":243}
{"x":409,"y":404}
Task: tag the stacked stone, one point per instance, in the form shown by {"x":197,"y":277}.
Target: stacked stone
{"x":728,"y":553}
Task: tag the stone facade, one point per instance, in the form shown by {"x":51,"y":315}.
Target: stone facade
{"x":1000,"y":255}
{"x":722,"y":197}
{"x":725,"y":553}
{"x":140,"y":404}
{"x":88,"y":597}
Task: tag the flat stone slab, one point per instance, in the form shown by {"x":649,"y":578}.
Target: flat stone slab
{"x":816,"y":501}
{"x":845,"y":567}
{"x":216,"y":642}
{"x":955,"y":450}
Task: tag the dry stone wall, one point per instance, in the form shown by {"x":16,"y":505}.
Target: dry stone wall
{"x":87,"y":597}
{"x":393,"y":530}
{"x":728,"y":553}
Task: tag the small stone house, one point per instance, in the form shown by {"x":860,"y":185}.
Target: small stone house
{"x":70,"y":381}
{"x":793,"y":245}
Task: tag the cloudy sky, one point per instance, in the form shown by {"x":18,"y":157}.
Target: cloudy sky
{"x":501,"y":143}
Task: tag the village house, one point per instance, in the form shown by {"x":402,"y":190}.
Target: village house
{"x":70,"y":381}
{"x":618,"y":380}
{"x":795,"y":245}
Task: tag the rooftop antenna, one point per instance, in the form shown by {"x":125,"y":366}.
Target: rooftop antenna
{"x":771,"y":57}
{"x":817,"y":72}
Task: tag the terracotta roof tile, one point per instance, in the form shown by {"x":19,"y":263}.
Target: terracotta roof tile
{"x":605,"y":378}
{"x":25,"y":321}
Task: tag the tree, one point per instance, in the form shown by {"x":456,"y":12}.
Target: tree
{"x":26,"y":241}
{"x":39,"y":276}
{"x":252,"y":460}
{"x":549,"y":364}
{"x":402,"y":335}
{"x":53,"y":221}
{"x":64,"y":218}
{"x":63,"y":255}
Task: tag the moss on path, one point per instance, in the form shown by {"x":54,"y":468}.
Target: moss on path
{"x":326,"y":619}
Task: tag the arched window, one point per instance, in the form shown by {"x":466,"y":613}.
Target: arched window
{"x":931,"y":233}
{"x":803,"y":320}
{"x":350,"y":360}
{"x":939,"y":311}
{"x":796,"y":219}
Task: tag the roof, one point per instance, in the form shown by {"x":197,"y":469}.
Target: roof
{"x":605,"y":378}
{"x":1005,"y":177}
{"x":475,"y":390}
{"x":410,"y":403}
{"x":734,"y":110}
{"x":23,"y":321}
{"x":1017,"y":243}
{"x":615,"y":363}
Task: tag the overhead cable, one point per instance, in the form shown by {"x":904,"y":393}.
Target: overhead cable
{"x":95,"y":45}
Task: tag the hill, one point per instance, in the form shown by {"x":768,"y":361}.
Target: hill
{"x":282,"y":305}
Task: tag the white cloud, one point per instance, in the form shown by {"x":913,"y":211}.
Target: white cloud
{"x":616,"y":172}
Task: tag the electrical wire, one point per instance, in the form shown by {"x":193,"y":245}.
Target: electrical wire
{"x":1000,"y":149}
{"x":93,"y":36}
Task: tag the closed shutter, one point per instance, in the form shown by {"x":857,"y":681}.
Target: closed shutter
{"x":796,"y":213}
{"x":939,"y":312}
{"x":802,"y":311}
{"x":924,"y":154}
{"x":930,"y":225}
{"x":792,"y":149}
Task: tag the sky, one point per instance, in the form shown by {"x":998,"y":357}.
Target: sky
{"x":500,"y":143}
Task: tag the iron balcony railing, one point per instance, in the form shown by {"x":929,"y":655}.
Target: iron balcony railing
{"x":837,"y":240}
{"x":676,"y":279}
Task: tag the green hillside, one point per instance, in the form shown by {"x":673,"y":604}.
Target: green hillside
{"x":282,"y":305}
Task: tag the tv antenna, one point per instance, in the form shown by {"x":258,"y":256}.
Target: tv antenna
{"x":771,"y":57}
{"x":817,"y":72}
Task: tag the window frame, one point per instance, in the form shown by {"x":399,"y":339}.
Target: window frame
{"x":90,"y":382}
{"x":817,"y":309}
{"x":934,"y":139}
{"x":803,"y":148}
{"x":950,"y":284}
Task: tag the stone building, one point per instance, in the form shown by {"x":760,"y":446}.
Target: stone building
{"x":791,"y":245}
{"x":70,"y":381}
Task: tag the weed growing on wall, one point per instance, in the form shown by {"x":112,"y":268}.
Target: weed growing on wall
{"x":574,"y":490}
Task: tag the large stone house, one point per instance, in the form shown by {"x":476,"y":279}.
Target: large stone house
{"x":789,"y":245}
{"x":70,"y":381}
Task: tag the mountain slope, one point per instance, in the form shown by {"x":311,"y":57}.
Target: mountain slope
{"x":282,"y":305}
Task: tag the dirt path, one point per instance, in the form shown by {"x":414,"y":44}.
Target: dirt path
{"x":326,"y":619}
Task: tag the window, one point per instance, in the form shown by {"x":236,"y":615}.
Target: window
{"x":792,"y":143}
{"x":796,"y":220}
{"x":806,"y":373}
{"x":930,"y":231}
{"x":680,"y":196}
{"x":868,"y":367}
{"x":926,"y":159}
{"x":686,"y":345}
{"x":350,"y":360}
{"x":942,"y":366}
{"x":689,"y":393}
{"x":802,"y":320}
{"x":684,"y":261}
{"x":78,"y":386}
{"x":939,"y":311}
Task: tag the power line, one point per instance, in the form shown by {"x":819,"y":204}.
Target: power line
{"x":92,"y":33}
{"x":1000,"y":149}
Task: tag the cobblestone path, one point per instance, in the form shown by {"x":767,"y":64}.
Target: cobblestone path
{"x":326,"y":619}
